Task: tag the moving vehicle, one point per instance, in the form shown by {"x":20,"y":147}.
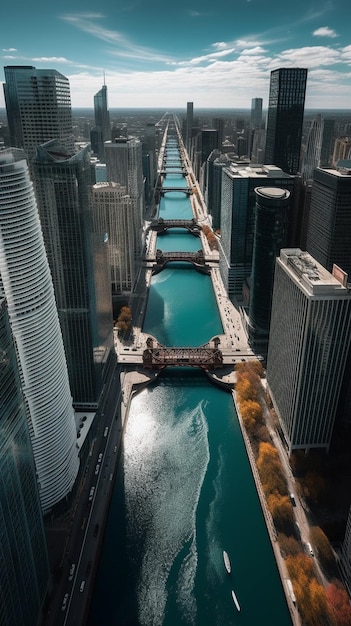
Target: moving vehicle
{"x":226,"y":560}
{"x":64,"y":603}
{"x":71,"y":571}
{"x":235,"y":600}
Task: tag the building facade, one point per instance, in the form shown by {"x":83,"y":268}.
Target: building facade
{"x":113,"y":215}
{"x":308,"y":346}
{"x":285,"y":118}
{"x":329,"y":223}
{"x":124,"y":165}
{"x":102,"y":122}
{"x":23,"y":556}
{"x":237,"y":218}
{"x":28,"y":288}
{"x":78,"y":263}
{"x":271,"y":219}
{"x":38,"y":107}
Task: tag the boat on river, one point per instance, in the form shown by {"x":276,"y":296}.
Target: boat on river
{"x":235,"y":600}
{"x":226,"y":560}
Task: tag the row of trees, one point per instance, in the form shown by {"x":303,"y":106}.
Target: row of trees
{"x":317,"y":606}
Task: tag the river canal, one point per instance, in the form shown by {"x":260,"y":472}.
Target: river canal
{"x":184,"y":490}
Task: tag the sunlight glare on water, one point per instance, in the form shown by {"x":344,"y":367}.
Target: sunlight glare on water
{"x":167,"y":459}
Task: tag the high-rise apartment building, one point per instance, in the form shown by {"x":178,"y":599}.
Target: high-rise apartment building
{"x":28,"y":288}
{"x":308,"y":345}
{"x":329,"y":224}
{"x":271,"y":218}
{"x":285,"y":118}
{"x":113,"y":215}
{"x":78,"y":263}
{"x":38,"y":107}
{"x":237,"y":218}
{"x":124,"y":165}
{"x":23,"y":556}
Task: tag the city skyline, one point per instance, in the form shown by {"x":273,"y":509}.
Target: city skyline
{"x":157,"y":55}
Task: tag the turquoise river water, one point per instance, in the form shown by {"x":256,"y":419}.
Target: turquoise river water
{"x":184,"y":490}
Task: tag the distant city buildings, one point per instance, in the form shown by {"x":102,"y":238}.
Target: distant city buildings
{"x":28,"y":288}
{"x":285,"y":118}
{"x":23,"y":555}
{"x":308,"y":346}
{"x":38,"y":107}
{"x":78,"y":263}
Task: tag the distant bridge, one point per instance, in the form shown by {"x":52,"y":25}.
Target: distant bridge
{"x":162,"y":225}
{"x":187,"y":190}
{"x":205,"y":357}
{"x":196,"y":258}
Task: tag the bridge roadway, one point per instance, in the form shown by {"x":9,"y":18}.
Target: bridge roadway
{"x":162,"y":225}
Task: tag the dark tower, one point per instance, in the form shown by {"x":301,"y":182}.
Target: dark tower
{"x":270,"y":235}
{"x":285,"y":118}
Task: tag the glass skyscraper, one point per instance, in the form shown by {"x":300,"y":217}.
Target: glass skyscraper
{"x":102,"y":121}
{"x":270,"y":235}
{"x":329,"y":223}
{"x":237,"y":218}
{"x":28,"y":288}
{"x":285,"y":118}
{"x":24,"y":570}
{"x":79,"y":267}
{"x":38,"y":107}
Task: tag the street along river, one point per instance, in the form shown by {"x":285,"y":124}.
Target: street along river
{"x":184,"y":491}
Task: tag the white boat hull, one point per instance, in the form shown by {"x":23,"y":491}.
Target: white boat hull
{"x":235,"y":600}
{"x":226,"y":560}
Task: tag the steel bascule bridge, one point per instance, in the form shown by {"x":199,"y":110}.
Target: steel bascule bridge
{"x":207,"y":356}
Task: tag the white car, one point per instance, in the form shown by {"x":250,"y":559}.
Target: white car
{"x":64,"y":603}
{"x":71,"y":571}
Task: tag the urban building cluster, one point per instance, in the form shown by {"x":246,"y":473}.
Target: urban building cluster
{"x":72,"y":237}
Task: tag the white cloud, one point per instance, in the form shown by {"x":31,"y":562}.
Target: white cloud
{"x":204,"y":58}
{"x":9,"y":49}
{"x":325,"y":31}
{"x":50,"y":60}
{"x":308,"y":56}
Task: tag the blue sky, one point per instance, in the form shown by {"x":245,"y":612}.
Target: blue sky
{"x":163,"y":54}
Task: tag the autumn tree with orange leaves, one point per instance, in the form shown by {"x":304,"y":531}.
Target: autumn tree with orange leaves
{"x":338,"y":604}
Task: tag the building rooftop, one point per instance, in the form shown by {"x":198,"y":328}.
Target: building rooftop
{"x":257,"y":171}
{"x":311,"y":275}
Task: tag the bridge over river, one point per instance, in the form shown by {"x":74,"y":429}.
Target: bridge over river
{"x":206,"y":357}
{"x":162,"y":225}
{"x":196,"y":258}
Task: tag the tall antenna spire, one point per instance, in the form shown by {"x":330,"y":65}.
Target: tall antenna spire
{"x":104,"y":77}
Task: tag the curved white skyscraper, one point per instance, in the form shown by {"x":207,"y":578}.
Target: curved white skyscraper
{"x":28,"y":288}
